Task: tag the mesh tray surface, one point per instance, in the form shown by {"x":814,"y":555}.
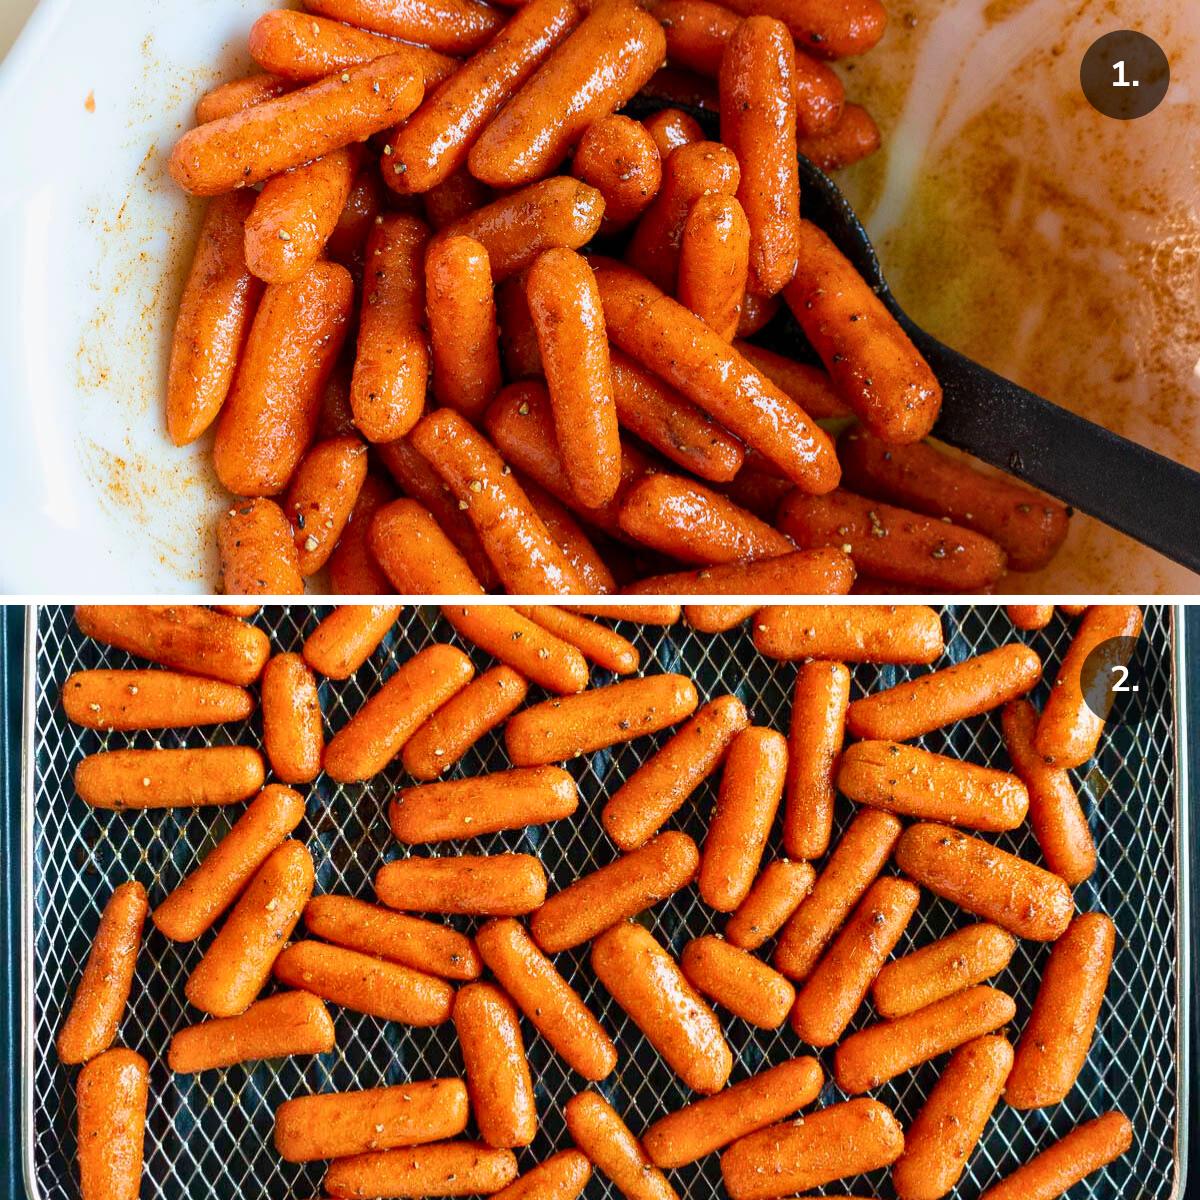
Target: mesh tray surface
{"x":210,"y":1135}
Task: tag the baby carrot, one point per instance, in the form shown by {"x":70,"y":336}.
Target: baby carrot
{"x":552,"y":1006}
{"x":878,"y":633}
{"x":855,"y":136}
{"x":119,"y":779}
{"x":608,"y":895}
{"x":800,"y":572}
{"x":777,"y":892}
{"x":596,"y":1129}
{"x":376,"y":733}
{"x":110,"y":1098}
{"x":832,"y":30}
{"x":391,"y":362}
{"x":815,"y":740}
{"x":639,"y":614}
{"x":91,"y":1023}
{"x":293,"y":735}
{"x":321,"y":497}
{"x":806,"y":385}
{"x":453,"y":26}
{"x":599,"y":644}
{"x":709,"y":1124}
{"x":714,"y":257}
{"x":348,"y":242}
{"x":518,"y":338}
{"x":567,"y":316}
{"x":434,"y":142}
{"x":287,"y":1023}
{"x":600,"y":66}
{"x":619,"y":158}
{"x":565,"y":727}
{"x":671,"y":128}
{"x":563,"y":1176}
{"x":151,"y":700}
{"x":238,"y":961}
{"x":210,"y":888}
{"x":215,"y":311}
{"x":529,"y":649}
{"x":1030,"y":616}
{"x":347,"y":637}
{"x":735,"y":979}
{"x":271,"y":413}
{"x":353,"y":570}
{"x":439,"y":1169}
{"x":462,"y":325}
{"x":500,"y":885}
{"x":258,"y":554}
{"x":228,"y":98}
{"x":250,"y":146}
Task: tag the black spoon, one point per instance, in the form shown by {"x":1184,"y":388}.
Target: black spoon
{"x":1153,"y":499}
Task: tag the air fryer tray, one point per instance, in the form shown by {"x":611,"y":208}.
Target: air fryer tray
{"x":210,"y":1135}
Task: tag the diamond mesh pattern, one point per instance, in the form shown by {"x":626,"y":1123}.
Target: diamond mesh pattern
{"x":210,"y":1135}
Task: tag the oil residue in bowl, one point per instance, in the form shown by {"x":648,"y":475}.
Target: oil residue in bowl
{"x":1053,"y":244}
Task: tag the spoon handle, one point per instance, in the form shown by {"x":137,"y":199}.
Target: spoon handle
{"x":1153,"y":499}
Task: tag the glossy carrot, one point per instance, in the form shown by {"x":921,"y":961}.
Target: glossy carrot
{"x":121,"y":779}
{"x":778,"y":891}
{"x":110,"y":1097}
{"x":671,"y":128}
{"x":562,"y":1176}
{"x":832,"y":30}
{"x":714,"y":258}
{"x":1030,"y":616}
{"x":353,"y":570}
{"x":258,"y":555}
{"x":441,"y":1169}
{"x":800,"y":572}
{"x":228,"y":98}
{"x":853,"y":138}
{"x":321,"y":497}
{"x":597,"y":643}
{"x":620,"y":159}
{"x":293,"y":734}
{"x":735,"y":979}
{"x":501,"y":885}
{"x":878,"y":633}
{"x":528,"y":648}
{"x":816,"y":735}
{"x":127,"y":700}
{"x":347,"y":637}
{"x":806,"y":385}
{"x":453,"y":26}
{"x":600,"y":1133}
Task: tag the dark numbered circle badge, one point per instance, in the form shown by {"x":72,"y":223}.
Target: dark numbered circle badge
{"x":1112,"y":686}
{"x":1125,"y":75}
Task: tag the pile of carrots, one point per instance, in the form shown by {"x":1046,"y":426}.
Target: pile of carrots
{"x":834,"y":930}
{"x":438,"y":260}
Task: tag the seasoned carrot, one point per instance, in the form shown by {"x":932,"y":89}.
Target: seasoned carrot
{"x":261,"y":141}
{"x":364,"y":983}
{"x":671,"y":128}
{"x":777,"y":892}
{"x":676,"y":344}
{"x":562,"y":728}
{"x":877,"y":633}
{"x":604,"y":897}
{"x":886,"y":1049}
{"x":837,"y":985}
{"x":699,"y":169}
{"x":597,"y":643}
{"x":110,"y":1097}
{"x":832,"y":30}
{"x":238,"y":961}
{"x":1030,"y":616}
{"x":709,"y":1124}
{"x":806,"y":385}
{"x":600,"y":66}
{"x":717,"y":618}
{"x":567,"y":317}
{"x":91,"y":1023}
{"x":378,"y":730}
{"x":348,"y":242}
{"x":529,"y":649}
{"x":391,"y":364}
{"x":672,"y":424}
{"x":800,"y":572}
{"x":815,"y":740}
{"x":271,"y":413}
{"x":758,"y":123}
{"x":456,"y":197}
{"x":435,"y":141}
{"x":850,"y":870}
{"x":951,"y":1121}
{"x":619,"y":158}
{"x":321,"y":497}
{"x":639,"y":614}
{"x":892,"y":543}
{"x":453,"y":26}
{"x":353,"y":570}
{"x":423,"y":945}
{"x":347,"y":637}
{"x":973,"y":686}
{"x":516,"y":539}
{"x":1029,"y":526}
{"x":215,"y":311}
{"x":571,"y":539}
{"x":210,"y":888}
{"x":296,"y":213}
{"x":1055,"y":1041}
{"x":656,"y":995}
{"x":1052,"y":1173}
{"x":288,"y":1023}
{"x":1070,"y":727}
{"x":958,"y":961}
{"x":258,"y":555}
{"x":552,"y":1006}
{"x":1073,"y":610}
{"x":228,"y":98}
{"x":914,"y":782}
{"x":518,"y":338}
{"x":301,"y":47}
{"x":462,"y":325}
{"x":493,"y":1051}
{"x":415,"y":553}
{"x":600,"y":1133}
{"x":151,"y":700}
{"x":757,"y":313}
{"x":1055,"y":814}
{"x":751,"y":788}
{"x":119,"y":779}
{"x":738,"y":981}
{"x":500,"y":885}
{"x":987,"y":881}
{"x":339,"y":1124}
{"x":563,"y":1176}
{"x":439,"y":1169}
{"x":871,"y":360}
{"x":293,"y":735}
{"x":465,"y":808}
{"x":714,"y":257}
{"x":519,"y":226}
{"x":690,"y":522}
{"x":854,"y":137}
{"x":831,"y":1143}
